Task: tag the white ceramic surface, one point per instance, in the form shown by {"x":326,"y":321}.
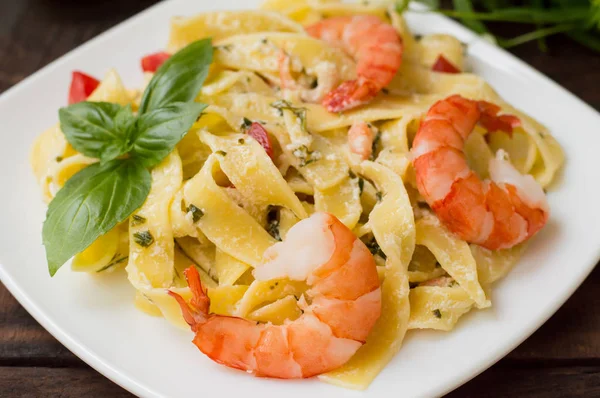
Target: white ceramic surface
{"x":95,"y":317}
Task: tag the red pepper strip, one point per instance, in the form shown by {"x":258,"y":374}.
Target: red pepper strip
{"x":151,"y":62}
{"x":82,"y":86}
{"x":258,"y":132}
{"x":442,"y":65}
{"x":490,"y":120}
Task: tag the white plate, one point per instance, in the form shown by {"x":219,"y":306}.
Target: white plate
{"x":95,"y":317}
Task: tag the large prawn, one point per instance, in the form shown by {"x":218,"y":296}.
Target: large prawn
{"x":497,"y":213}
{"x":340,"y":307}
{"x":377,"y":49}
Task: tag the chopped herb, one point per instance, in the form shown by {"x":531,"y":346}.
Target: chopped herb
{"x":545,"y":190}
{"x":437,"y":313}
{"x":375,"y":249}
{"x":59,"y":158}
{"x":351,"y":174}
{"x":305,"y":156}
{"x":222,"y":153}
{"x":247,"y":79}
{"x":418,"y":37}
{"x":246,"y":123}
{"x":300,"y":113}
{"x":379,"y":196}
{"x":387,"y":14}
{"x":196,"y":213}
{"x":273,"y":229}
{"x":376,"y":141}
{"x":113,"y":263}
{"x":226,"y":47}
{"x":361,"y":185}
{"x":241,"y":141}
{"x":143,"y":238}
{"x":541,"y":134}
{"x":273,"y":222}
{"x":385,"y":91}
{"x":264,"y":41}
{"x":136,"y":219}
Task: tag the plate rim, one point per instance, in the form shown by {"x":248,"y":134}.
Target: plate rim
{"x":129,"y":382}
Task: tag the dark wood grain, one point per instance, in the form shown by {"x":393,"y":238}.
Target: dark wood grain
{"x":560,"y":359}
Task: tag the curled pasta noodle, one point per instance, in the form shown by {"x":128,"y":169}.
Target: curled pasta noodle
{"x":454,"y":256}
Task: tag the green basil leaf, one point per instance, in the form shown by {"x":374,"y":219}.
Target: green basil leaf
{"x":95,"y":128}
{"x":180,"y":78}
{"x":90,"y":204}
{"x":158,"y":131}
{"x":125,"y":120}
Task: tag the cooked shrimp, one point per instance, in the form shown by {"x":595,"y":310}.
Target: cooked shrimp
{"x":377,"y":49}
{"x":344,"y":297}
{"x":360,"y":139}
{"x":497,"y":213}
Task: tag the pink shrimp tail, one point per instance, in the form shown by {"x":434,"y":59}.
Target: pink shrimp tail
{"x":196,"y":312}
{"x":491,"y":121}
{"x":348,"y":95}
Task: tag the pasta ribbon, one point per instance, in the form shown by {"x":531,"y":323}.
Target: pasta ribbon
{"x":247,"y":165}
{"x":454,"y":256}
{"x":433,"y":307}
{"x":224,"y":223}
{"x":222,"y":24}
{"x":394,"y":228}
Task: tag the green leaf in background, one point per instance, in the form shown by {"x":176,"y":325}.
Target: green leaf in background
{"x":180,"y":78}
{"x":586,"y":38}
{"x":578,"y":19}
{"x":467,"y":7}
{"x":158,"y":131}
{"x":432,"y":4}
{"x":90,"y":204}
{"x":92,"y":129}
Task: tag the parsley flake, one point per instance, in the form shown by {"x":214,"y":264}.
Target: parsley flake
{"x":143,"y":238}
{"x":196,"y":213}
{"x":136,"y":219}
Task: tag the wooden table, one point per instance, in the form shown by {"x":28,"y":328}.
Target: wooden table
{"x":561,"y":359}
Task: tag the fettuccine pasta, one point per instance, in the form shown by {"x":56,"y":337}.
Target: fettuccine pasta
{"x":268,"y":153}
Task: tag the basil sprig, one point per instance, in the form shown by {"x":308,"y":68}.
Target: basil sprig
{"x":100,"y":196}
